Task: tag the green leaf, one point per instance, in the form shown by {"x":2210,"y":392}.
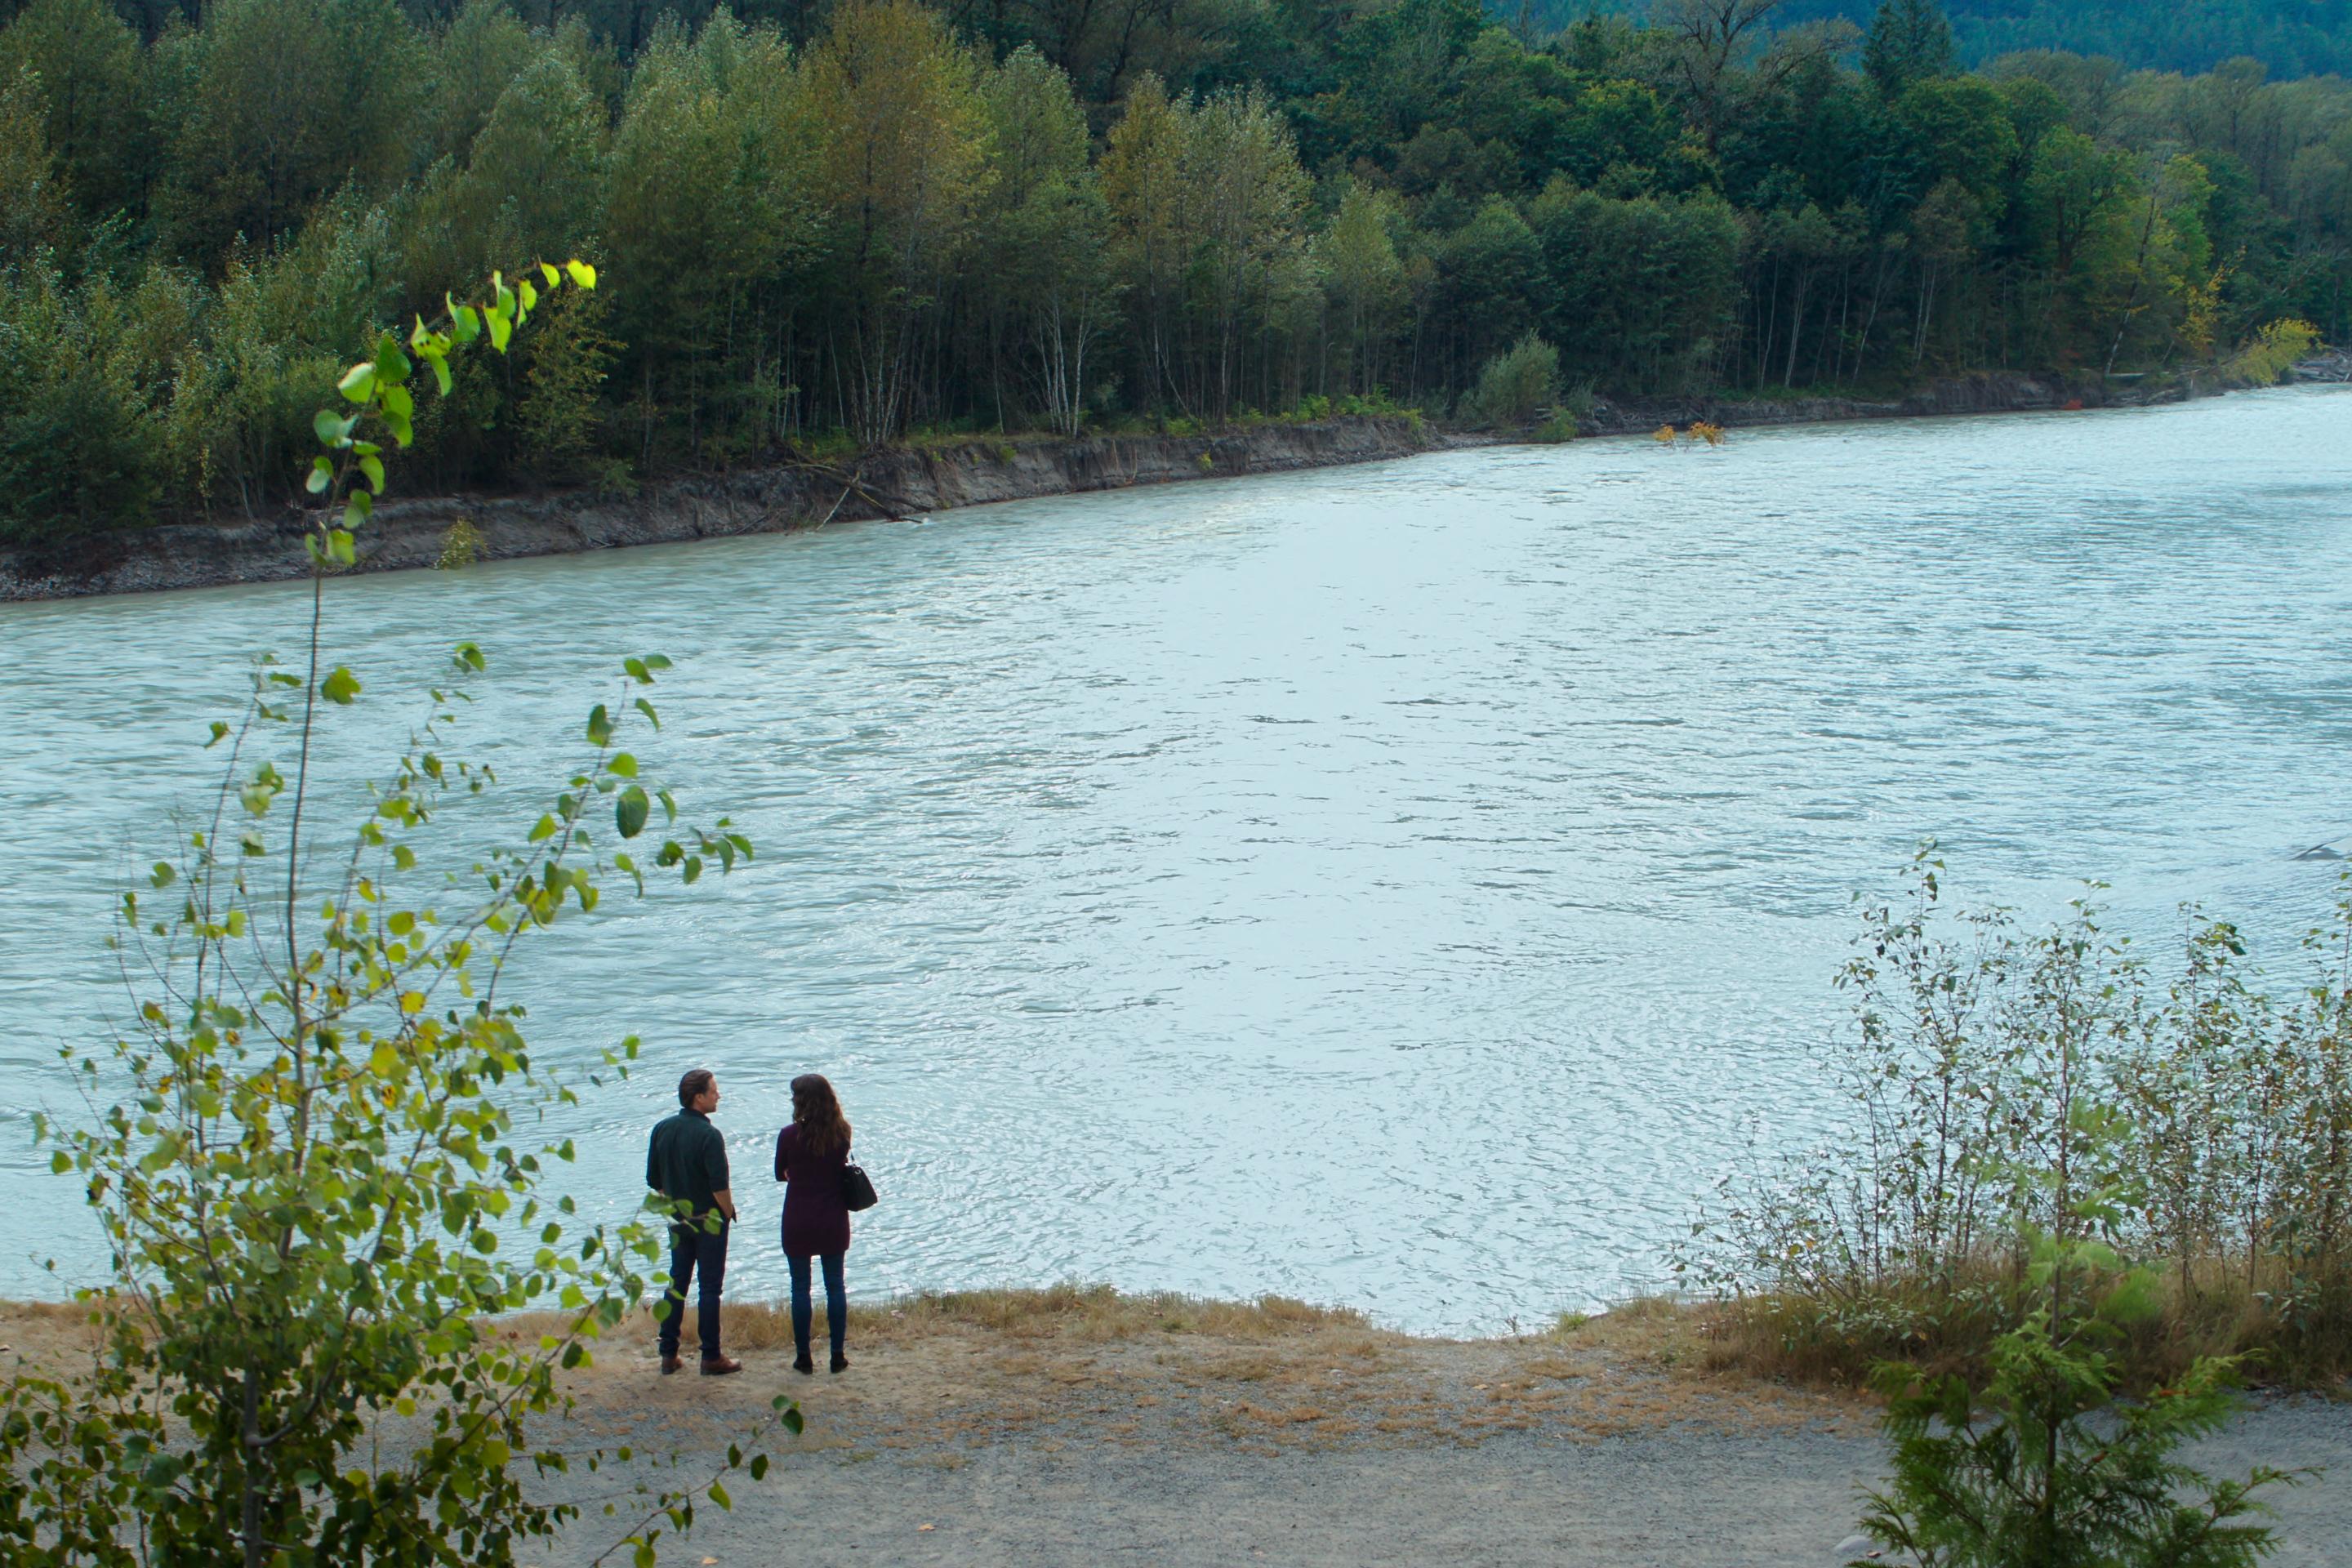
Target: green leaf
{"x":544,"y":829}
{"x":465,"y":319}
{"x":340,"y":547}
{"x":340,"y":686}
{"x":718,"y":1495}
{"x":373,"y":469}
{"x":630,"y":811}
{"x":398,"y":403}
{"x":527,"y":295}
{"x":331,"y":431}
{"x":647,"y":708}
{"x":554,"y":278}
{"x":440,"y":372}
{"x":356,"y":508}
{"x":600,"y":726}
{"x":220,"y":732}
{"x":501,"y":329}
{"x":623,"y":764}
{"x":322,"y":474}
{"x":358,"y":384}
{"x":581,"y":273}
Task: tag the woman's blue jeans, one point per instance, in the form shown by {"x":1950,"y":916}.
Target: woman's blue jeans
{"x":836,"y":1302}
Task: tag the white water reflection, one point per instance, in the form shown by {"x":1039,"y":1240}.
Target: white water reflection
{"x":1396,"y":885}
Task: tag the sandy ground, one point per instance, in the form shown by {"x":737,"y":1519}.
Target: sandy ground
{"x":1104,"y":1430}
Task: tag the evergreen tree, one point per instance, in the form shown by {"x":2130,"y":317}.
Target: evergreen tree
{"x":1909,"y":40}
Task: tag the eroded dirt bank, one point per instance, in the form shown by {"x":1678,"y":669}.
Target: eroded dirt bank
{"x":1999,"y":392}
{"x":407,"y":534}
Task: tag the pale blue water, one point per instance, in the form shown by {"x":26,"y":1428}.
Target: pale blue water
{"x":1396,"y":885}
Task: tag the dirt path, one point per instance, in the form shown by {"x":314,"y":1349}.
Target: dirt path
{"x":1314,"y":1442}
{"x":1079,"y":1427}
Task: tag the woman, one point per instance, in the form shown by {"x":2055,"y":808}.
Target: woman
{"x":810,"y":1154}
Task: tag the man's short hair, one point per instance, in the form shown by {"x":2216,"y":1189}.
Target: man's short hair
{"x":691,"y":1086}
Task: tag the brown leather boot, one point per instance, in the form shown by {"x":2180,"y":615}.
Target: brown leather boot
{"x":670,"y":1364}
{"x":720,"y":1366}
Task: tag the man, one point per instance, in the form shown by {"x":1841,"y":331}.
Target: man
{"x":685,"y":1163}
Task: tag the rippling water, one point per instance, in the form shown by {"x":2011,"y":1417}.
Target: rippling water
{"x":1403,"y":885}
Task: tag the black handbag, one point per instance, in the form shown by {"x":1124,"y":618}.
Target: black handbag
{"x":857,"y":1189}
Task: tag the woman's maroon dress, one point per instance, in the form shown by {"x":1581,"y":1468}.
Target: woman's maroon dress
{"x":815,"y":1220}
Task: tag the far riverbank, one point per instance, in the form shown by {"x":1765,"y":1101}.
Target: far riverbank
{"x":408,"y":535}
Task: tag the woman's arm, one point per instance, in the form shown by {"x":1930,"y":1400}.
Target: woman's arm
{"x":783,"y":1172}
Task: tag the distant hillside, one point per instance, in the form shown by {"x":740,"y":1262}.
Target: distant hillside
{"x":2293,"y":38}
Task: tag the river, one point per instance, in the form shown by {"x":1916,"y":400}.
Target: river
{"x":1405,"y":885}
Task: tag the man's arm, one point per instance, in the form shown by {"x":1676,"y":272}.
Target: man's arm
{"x":723,"y":1191}
{"x":653,"y":1175}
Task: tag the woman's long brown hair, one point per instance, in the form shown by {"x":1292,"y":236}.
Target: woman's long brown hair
{"x":817,"y":1113}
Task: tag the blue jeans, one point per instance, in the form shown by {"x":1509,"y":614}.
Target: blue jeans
{"x":836,"y":1302}
{"x":694,"y":1251}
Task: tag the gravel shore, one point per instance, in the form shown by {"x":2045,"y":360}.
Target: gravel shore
{"x":1671,"y":1500}
{"x":1321,"y":1444}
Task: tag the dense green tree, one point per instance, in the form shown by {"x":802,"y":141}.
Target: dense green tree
{"x":274,"y":104}
{"x":33,"y":207}
{"x":95,"y":83}
{"x":898,"y":144}
{"x":1364,"y":280}
{"x":1960,"y":130}
{"x":846,"y":220}
{"x":1909,"y":41}
{"x":475,"y":56}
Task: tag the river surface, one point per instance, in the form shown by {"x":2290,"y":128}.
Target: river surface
{"x":1405,"y":886}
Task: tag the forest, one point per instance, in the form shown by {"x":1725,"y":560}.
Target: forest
{"x":825,"y":228}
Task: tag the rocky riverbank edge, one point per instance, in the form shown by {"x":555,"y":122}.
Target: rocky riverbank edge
{"x":1988,"y":392}
{"x":907,"y":481}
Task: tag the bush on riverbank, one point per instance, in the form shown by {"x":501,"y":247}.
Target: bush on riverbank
{"x":1998,"y":1083}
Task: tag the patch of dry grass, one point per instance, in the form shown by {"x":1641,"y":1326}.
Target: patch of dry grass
{"x":1091,"y":1364}
{"x":1949,"y":1328}
{"x":1085,"y":1314}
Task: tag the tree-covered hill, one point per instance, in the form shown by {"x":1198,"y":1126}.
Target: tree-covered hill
{"x":2291,"y":38}
{"x":822,"y":225}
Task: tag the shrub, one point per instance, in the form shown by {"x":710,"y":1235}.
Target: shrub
{"x":2273,"y":351}
{"x":558,"y":414}
{"x":1995,"y":1076}
{"x":1517,"y":383}
{"x":77,"y":429}
{"x":2043,"y":1467}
